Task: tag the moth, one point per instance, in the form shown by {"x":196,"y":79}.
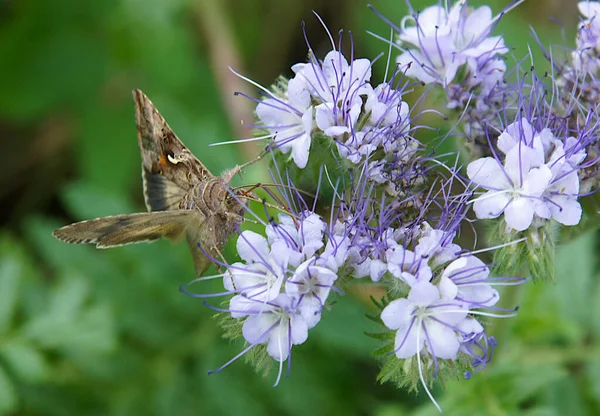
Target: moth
{"x":182,"y":196}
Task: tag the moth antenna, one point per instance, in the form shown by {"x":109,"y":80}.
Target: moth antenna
{"x":280,"y":207}
{"x":277,"y":185}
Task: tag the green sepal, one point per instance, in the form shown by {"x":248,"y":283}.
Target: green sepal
{"x":382,"y":336}
{"x":260,"y":359}
{"x":510,"y":259}
{"x":534,"y":256}
{"x":232,"y":328}
{"x":540,"y":252}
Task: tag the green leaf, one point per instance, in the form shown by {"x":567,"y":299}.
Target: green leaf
{"x":8,"y":395}
{"x":532,"y":379}
{"x":11,"y":270}
{"x":575,"y":280}
{"x":593,"y":375}
{"x":25,"y":361}
{"x":565,"y":397}
{"x":87,"y":201}
{"x":334,"y":330}
{"x":109,"y":155}
{"x":69,"y":323}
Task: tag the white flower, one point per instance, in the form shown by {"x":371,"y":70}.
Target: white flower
{"x":276,"y":324}
{"x":290,"y":121}
{"x":436,"y":246}
{"x":334,"y":80}
{"x":304,"y":236}
{"x":262,"y":276}
{"x":514,"y":189}
{"x":466,"y":280}
{"x":339,"y":87}
{"x":407,"y":266}
{"x":537,"y":179}
{"x":424,"y":320}
{"x":440,"y":42}
{"x":311,"y":285}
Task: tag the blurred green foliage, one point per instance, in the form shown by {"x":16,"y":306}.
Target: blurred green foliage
{"x":94,"y":332}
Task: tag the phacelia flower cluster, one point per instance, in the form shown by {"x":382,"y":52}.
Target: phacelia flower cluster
{"x":334,"y":99}
{"x":282,"y":283}
{"x":399,"y":217}
{"x":439,"y":43}
{"x":586,"y":56}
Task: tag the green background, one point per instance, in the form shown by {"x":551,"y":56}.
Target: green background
{"x":92,"y":332}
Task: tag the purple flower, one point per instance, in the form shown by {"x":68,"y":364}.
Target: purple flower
{"x":278,"y":324}
{"x":586,"y":58}
{"x":424,"y":321}
{"x":476,"y":344}
{"x":466,"y":280}
{"x":535,"y":180}
{"x":304,"y":235}
{"x":311,"y":284}
{"x":290,"y":120}
{"x":441,"y":41}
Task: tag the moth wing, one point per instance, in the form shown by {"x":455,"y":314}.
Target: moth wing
{"x":160,"y":194}
{"x":118,"y":230}
{"x":162,"y":151}
{"x":201,"y":262}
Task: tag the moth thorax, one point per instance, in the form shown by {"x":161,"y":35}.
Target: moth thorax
{"x":215,"y":195}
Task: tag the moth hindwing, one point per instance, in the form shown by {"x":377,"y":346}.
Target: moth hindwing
{"x":182,"y":196}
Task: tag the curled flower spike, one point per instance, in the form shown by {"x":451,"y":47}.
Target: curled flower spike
{"x":586,"y":58}
{"x":441,"y":41}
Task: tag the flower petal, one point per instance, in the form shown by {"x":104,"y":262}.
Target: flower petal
{"x":397,"y":314}
{"x":442,"y":341}
{"x":252,"y":247}
{"x":488,"y":173}
{"x":409,"y":340}
{"x":519,"y":214}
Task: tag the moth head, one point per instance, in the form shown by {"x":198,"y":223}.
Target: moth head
{"x":236,"y":203}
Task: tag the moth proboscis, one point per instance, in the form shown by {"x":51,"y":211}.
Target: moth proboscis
{"x":182,"y":196}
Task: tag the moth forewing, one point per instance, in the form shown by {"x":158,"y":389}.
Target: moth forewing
{"x":184,"y":198}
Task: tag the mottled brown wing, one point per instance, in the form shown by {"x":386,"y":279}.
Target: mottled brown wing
{"x":169,"y":169}
{"x":118,"y":230}
{"x":201,"y":262}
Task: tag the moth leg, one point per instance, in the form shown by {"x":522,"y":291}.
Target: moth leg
{"x":256,"y":159}
{"x":228,"y":176}
{"x":220,"y":267}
